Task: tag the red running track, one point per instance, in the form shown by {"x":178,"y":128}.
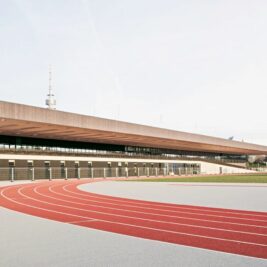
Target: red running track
{"x":231,"y":231}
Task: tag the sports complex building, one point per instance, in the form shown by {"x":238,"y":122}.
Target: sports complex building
{"x":39,"y":143}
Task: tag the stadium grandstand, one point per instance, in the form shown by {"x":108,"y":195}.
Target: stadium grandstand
{"x":39,"y":143}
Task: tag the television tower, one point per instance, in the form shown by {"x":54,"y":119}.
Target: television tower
{"x":50,"y":101}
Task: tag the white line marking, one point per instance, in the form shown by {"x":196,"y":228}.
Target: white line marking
{"x":74,"y":222}
{"x":168,"y":206}
{"x":172,"y":211}
{"x":135,"y":226}
{"x":175,"y":223}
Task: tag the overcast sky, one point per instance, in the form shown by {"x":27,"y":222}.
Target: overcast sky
{"x":196,"y":66}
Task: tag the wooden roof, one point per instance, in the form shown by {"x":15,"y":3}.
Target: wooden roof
{"x":29,"y":121}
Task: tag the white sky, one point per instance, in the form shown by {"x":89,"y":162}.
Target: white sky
{"x":196,"y":66}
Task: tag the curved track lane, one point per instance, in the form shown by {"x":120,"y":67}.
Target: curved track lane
{"x":231,"y":231}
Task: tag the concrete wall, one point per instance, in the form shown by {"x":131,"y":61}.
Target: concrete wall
{"x":211,"y":168}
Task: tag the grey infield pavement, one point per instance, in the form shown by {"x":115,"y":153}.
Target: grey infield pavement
{"x":220,"y":195}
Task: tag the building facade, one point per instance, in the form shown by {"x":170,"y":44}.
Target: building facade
{"x":38,"y":143}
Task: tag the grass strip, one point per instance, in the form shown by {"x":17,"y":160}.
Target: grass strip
{"x":260,"y":178}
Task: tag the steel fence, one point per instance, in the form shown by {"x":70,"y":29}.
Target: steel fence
{"x":50,"y":173}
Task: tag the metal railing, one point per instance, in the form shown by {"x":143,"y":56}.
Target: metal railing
{"x":50,"y":173}
{"x":259,"y":169}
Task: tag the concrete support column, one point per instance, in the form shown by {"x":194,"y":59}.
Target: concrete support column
{"x":32,"y":174}
{"x":165,"y":171}
{"x":12,"y":174}
{"x":79,"y":173}
{"x":66,"y":173}
{"x":50,"y":174}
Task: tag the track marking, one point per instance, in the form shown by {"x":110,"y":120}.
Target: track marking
{"x":75,"y":222}
{"x":159,"y":205}
{"x":226,"y":245}
{"x":132,"y":225}
{"x":232,"y":240}
{"x":171,"y":211}
{"x":175,"y":223}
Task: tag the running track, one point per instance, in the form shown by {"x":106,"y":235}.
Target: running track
{"x":231,"y":231}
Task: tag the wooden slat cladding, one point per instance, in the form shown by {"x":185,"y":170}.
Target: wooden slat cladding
{"x":22,"y":120}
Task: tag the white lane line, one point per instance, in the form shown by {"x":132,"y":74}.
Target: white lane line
{"x":172,"y":211}
{"x":140,"y":218}
{"x":134,"y":226}
{"x":125,"y":216}
{"x":92,"y":195}
{"x":156,"y":214}
{"x":171,"y":216}
{"x":82,"y":221}
{"x":35,"y":207}
{"x":17,"y":198}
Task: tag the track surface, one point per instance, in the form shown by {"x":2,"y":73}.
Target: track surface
{"x":231,"y":231}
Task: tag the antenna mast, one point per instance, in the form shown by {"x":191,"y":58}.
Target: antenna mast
{"x":50,"y":101}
